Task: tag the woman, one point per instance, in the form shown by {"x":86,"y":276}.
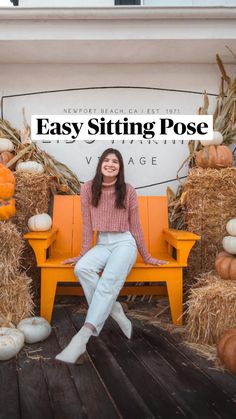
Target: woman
{"x":110,"y":207}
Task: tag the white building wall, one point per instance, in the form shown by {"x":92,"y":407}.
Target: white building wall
{"x":44,"y":50}
{"x":81,"y":158}
{"x":18,"y":78}
{"x":110,"y":3}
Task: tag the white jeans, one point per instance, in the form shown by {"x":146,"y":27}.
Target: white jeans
{"x":115,"y":253}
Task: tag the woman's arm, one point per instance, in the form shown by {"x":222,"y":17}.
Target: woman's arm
{"x":71,"y":261}
{"x":137,"y":232}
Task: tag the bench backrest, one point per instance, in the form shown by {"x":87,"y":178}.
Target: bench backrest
{"x":67,"y":218}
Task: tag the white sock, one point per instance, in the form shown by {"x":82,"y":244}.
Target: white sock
{"x":119,"y":316}
{"x":76,"y":347}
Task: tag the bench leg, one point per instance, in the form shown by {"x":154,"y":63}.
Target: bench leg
{"x":48,"y":292}
{"x":175,"y":294}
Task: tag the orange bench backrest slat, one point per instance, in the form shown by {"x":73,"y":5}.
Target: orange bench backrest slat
{"x":67,"y":218}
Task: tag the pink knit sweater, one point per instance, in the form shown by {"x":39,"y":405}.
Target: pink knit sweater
{"x":106,"y":217}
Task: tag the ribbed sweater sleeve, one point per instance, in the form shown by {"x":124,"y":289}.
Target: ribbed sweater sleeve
{"x":135,"y":226}
{"x":87,"y":229}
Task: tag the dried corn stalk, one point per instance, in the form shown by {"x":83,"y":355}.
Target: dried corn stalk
{"x":63,"y":180}
{"x":225,"y":113}
{"x":224,"y":118}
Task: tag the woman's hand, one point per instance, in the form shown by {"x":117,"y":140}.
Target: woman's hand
{"x":154,"y":261}
{"x":71,"y":261}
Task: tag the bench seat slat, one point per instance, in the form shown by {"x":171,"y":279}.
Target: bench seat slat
{"x":55,"y":261}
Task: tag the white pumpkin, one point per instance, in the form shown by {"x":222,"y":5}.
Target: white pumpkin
{"x":11,"y":342}
{"x":30,"y":166}
{"x":6,"y":145}
{"x":231,"y":227}
{"x":40,"y":222}
{"x":35,"y":329}
{"x":6,"y":323}
{"x":216,"y":140}
{"x":229,"y":244}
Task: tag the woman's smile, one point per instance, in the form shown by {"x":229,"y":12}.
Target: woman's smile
{"x":110,"y":167}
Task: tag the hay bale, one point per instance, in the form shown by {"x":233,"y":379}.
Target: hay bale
{"x":16,"y":297}
{"x":211,"y":309}
{"x":29,"y":264}
{"x":11,"y":248}
{"x":209,"y":202}
{"x":15,"y":287}
{"x":32,"y":193}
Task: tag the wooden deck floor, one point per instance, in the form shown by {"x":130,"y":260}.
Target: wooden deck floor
{"x":150,"y":376}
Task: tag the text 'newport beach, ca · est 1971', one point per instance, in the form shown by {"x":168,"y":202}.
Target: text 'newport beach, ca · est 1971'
{"x":121,"y":127}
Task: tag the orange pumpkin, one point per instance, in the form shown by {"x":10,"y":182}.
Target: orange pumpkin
{"x":5,"y":157}
{"x":214,"y":157}
{"x":6,"y":190}
{"x":7,"y":209}
{"x":226,"y":350}
{"x":6,"y":175}
{"x":7,"y":183}
{"x":225,"y":265}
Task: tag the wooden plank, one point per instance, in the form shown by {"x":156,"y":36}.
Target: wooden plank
{"x":93,"y":392}
{"x":157,"y":220}
{"x":9,"y":396}
{"x":77,"y":226}
{"x":160,"y":402}
{"x":143,"y":215}
{"x":174,"y":384}
{"x":33,"y":390}
{"x":122,"y":391}
{"x":63,"y":205}
{"x":206,"y":390}
{"x":64,"y":398}
{"x":126,"y":290}
{"x":223,"y":379}
{"x":185,"y":394}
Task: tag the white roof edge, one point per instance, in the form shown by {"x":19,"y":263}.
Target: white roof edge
{"x":101,"y":13}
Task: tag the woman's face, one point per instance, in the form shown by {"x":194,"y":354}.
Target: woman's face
{"x":110,"y":167}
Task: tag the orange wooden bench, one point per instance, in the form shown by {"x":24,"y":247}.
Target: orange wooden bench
{"x":64,"y":240}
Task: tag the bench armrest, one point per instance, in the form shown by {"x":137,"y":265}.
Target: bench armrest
{"x":182,"y":241}
{"x":40,"y":241}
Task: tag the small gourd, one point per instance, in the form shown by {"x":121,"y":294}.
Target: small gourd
{"x":229,"y":244}
{"x":216,"y":140}
{"x":40,"y":222}
{"x":5,"y":157}
{"x":6,"y":145}
{"x":225,"y":265}
{"x":11,"y":342}
{"x":7,"y":209}
{"x":6,"y":174}
{"x":30,"y":166}
{"x":231,"y":227}
{"x":7,"y":183}
{"x":226,"y":350}
{"x":35,"y":329}
{"x":214,"y":157}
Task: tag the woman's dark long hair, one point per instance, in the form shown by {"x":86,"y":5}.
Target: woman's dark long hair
{"x":120,"y":186}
